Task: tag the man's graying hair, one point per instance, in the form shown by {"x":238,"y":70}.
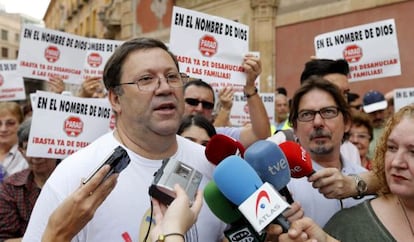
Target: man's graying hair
{"x":113,"y":67}
{"x":24,"y":131}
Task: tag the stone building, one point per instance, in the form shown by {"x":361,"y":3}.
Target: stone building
{"x":281,"y":30}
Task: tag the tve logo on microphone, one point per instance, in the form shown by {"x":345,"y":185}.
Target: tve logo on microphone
{"x":263,"y":206}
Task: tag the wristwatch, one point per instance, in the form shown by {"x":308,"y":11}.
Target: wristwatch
{"x":360,"y":185}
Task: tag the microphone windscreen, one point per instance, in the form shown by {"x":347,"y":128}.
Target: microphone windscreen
{"x":269,"y":162}
{"x":236,"y":179}
{"x":221,"y":146}
{"x":220,"y":205}
{"x":299,"y":159}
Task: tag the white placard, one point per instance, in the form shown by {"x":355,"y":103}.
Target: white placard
{"x":403,"y":97}
{"x":11,"y":82}
{"x":64,"y":124}
{"x":239,"y":115}
{"x":370,"y":49}
{"x":209,"y":47}
{"x":45,"y":52}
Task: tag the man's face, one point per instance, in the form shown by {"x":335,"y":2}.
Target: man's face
{"x":201,"y":94}
{"x":378,"y":118}
{"x":159,"y":111}
{"x":340,"y":81}
{"x":281,"y":107}
{"x":320,"y":136}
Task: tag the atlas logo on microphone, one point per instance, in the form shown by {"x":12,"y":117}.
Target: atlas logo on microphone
{"x":267,"y":204}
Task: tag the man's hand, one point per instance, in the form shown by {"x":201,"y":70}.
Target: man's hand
{"x":333,"y":184}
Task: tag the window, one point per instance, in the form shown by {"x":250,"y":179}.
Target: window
{"x":4,"y":52}
{"x":17,"y":37}
{"x":4,"y":34}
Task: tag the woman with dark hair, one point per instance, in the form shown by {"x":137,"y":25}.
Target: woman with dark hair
{"x":196,"y":128}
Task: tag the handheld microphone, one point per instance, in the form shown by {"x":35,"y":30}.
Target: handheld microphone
{"x":227,"y":212}
{"x":221,"y":146}
{"x":271,"y":165}
{"x":259,"y":202}
{"x":299,"y":159}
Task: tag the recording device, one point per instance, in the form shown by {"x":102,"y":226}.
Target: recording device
{"x":240,"y":230}
{"x":118,"y":159}
{"x":173,"y":172}
{"x":300,"y":162}
{"x":220,"y":146}
{"x":270,"y":163}
{"x":259,"y":202}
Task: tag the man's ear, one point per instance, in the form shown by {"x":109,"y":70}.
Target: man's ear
{"x":114,"y":100}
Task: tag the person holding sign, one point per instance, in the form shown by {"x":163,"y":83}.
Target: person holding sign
{"x":144,"y":86}
{"x":199,"y":98}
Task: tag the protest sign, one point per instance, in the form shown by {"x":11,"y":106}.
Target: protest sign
{"x":239,"y":114}
{"x":209,"y":47}
{"x":11,"y":82}
{"x":98,"y":52}
{"x":403,"y":97}
{"x":370,"y":49}
{"x":62,"y":124}
{"x":45,"y":52}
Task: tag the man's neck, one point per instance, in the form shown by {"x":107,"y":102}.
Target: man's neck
{"x":328,"y":161}
{"x":149,"y":145}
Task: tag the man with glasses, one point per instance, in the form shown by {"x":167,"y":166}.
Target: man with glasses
{"x":199,"y":99}
{"x":320,"y":117}
{"x":145,"y":90}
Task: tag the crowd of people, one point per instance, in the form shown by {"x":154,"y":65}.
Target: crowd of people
{"x":361,"y":190}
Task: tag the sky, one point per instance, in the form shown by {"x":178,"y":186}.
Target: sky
{"x":33,"y":8}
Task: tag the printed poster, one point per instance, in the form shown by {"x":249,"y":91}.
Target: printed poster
{"x":11,"y":82}
{"x":62,"y":124}
{"x":370,"y":49}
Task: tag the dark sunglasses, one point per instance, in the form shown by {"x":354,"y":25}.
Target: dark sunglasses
{"x":195,"y":102}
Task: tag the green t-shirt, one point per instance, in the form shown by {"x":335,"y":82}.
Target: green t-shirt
{"x":358,"y":223}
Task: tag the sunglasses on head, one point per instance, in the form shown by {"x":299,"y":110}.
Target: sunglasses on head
{"x":195,"y":102}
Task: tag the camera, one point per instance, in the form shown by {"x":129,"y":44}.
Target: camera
{"x":173,"y":172}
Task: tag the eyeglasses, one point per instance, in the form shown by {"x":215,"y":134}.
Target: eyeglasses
{"x":359,"y":136}
{"x":195,"y":102}
{"x":150,"y":82}
{"x":326,"y":113}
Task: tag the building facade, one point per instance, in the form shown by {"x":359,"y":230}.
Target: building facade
{"x":281,"y":30}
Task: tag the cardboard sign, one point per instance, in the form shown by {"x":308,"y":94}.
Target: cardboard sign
{"x":209,"y":47}
{"x":403,"y":97}
{"x":62,"y":124}
{"x":370,"y":49}
{"x":239,"y":115}
{"x":11,"y":82}
{"x":45,"y":52}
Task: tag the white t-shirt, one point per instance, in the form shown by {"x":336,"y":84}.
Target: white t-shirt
{"x":125,"y":212}
{"x":314,"y":204}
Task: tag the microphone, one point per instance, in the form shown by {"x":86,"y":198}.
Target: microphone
{"x":227,"y":212}
{"x":271,"y":165}
{"x":299,"y":159}
{"x":221,"y":146}
{"x":259,"y":202}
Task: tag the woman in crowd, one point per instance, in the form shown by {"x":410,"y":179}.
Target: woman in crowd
{"x":196,"y":128}
{"x":11,"y":160}
{"x":360,"y":135}
{"x":390,"y":216}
